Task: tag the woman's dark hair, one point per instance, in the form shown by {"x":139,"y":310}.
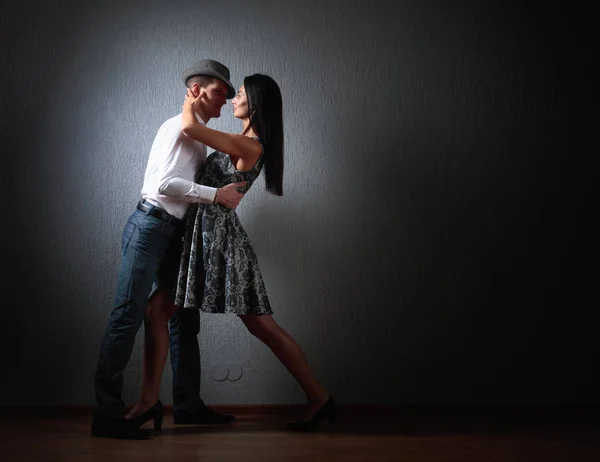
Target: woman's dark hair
{"x":266,"y":119}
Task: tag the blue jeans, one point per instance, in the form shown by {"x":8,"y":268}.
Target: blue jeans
{"x":147,"y":243}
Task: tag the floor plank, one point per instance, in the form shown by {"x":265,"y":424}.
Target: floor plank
{"x":411,"y":435}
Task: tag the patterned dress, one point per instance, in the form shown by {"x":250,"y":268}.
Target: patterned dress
{"x":219,"y":270}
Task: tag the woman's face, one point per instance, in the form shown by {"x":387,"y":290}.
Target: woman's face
{"x":240,"y":104}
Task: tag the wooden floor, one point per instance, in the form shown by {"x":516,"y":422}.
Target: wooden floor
{"x":403,"y":434}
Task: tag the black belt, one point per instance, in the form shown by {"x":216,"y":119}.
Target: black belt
{"x":159,"y":213}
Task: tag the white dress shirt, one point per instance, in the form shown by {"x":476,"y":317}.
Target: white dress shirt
{"x":169,"y":179}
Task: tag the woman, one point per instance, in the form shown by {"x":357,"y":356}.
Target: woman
{"x":219,"y":271}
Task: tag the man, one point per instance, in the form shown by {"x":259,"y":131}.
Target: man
{"x":150,"y":246}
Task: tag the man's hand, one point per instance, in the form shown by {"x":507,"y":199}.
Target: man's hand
{"x":228,"y":196}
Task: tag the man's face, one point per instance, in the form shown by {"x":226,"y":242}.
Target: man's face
{"x":213,"y":97}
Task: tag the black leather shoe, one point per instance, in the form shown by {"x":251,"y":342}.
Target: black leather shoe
{"x":204,"y":415}
{"x":156,"y":412}
{"x":117,"y":427}
{"x":327,"y":411}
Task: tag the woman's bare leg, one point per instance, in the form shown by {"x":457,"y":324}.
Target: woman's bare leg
{"x":290,"y":354}
{"x":159,"y":310}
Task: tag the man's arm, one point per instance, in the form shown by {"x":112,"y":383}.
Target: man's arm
{"x":188,"y":191}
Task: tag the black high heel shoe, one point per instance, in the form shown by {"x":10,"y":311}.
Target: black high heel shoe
{"x":156,"y":412}
{"x":327,"y":411}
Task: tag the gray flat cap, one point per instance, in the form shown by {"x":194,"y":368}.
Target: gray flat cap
{"x":211,"y":68}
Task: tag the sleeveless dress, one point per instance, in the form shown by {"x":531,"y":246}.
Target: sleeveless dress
{"x":219,"y":271}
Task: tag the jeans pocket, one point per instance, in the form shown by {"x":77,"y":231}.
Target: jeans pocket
{"x":152,"y":224}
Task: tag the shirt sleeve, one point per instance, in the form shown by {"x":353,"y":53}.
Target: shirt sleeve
{"x":171,"y":182}
{"x":187,"y":191}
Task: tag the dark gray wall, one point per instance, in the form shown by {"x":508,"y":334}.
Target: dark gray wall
{"x":416,"y":254}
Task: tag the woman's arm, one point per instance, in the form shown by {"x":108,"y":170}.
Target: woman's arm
{"x":235,"y":145}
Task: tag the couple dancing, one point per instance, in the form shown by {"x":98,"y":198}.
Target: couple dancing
{"x":184,"y":251}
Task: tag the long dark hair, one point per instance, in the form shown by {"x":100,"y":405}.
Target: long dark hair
{"x":266,"y":119}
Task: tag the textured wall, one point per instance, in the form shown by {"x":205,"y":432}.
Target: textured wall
{"x":409,"y":253}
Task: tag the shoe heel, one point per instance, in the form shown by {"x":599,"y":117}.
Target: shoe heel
{"x":158,"y":422}
{"x":332,"y":419}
